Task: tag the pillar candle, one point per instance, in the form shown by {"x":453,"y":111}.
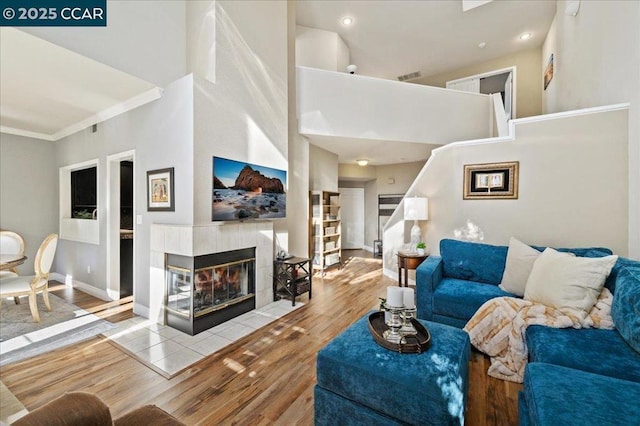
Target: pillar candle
{"x":395,"y":297}
{"x":408,"y":298}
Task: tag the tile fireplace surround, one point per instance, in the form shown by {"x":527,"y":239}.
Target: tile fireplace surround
{"x":197,"y":240}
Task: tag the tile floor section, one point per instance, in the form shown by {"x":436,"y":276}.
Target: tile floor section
{"x":171,"y":351}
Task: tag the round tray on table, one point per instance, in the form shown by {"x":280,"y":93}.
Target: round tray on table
{"x":415,"y":344}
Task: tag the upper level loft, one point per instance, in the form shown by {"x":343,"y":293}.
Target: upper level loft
{"x":335,"y":104}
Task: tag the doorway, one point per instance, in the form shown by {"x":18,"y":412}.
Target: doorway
{"x":121,"y":225}
{"x":501,"y":81}
{"x":126,"y":228}
{"x":352,"y":217}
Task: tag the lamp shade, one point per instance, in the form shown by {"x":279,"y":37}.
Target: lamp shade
{"x":416,"y":208}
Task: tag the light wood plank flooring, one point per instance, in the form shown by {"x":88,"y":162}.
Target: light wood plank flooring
{"x":266,"y":378}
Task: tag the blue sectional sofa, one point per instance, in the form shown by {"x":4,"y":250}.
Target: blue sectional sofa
{"x":574,"y":377}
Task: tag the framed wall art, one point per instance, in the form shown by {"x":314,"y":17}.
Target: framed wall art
{"x":548,"y":72}
{"x":160,"y":192}
{"x":491,"y":181}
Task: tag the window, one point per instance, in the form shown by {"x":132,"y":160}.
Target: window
{"x":84,"y":193}
{"x":79,"y":202}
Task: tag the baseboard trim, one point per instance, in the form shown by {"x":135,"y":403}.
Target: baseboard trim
{"x":87,"y":288}
{"x":394,"y":275}
{"x":141,"y":310}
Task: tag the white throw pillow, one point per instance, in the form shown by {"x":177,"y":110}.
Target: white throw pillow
{"x":520,"y":259}
{"x":569,"y":283}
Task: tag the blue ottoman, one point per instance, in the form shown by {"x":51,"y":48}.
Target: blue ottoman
{"x":359,"y":382}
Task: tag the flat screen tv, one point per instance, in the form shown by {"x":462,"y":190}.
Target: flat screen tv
{"x":243,"y":191}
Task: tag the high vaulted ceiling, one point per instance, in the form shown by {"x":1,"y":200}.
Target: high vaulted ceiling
{"x":388,"y":39}
{"x":48,"y":92}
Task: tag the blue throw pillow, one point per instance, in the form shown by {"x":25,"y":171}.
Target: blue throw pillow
{"x":625,"y":309}
{"x":473,"y":261}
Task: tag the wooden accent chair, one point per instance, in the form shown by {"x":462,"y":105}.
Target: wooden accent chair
{"x":11,"y":243}
{"x":32,"y":285}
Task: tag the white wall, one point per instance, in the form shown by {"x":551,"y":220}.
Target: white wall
{"x":320,"y":49}
{"x":397,"y":178}
{"x":29,"y":196}
{"x":145,"y":38}
{"x":565,"y":200}
{"x":162,"y":135}
{"x":345,"y":105}
{"x":242,"y":115}
{"x":323,"y":170}
{"x":528,"y":79}
{"x":297,"y":222}
{"x":376,"y":180}
{"x":597,"y":62}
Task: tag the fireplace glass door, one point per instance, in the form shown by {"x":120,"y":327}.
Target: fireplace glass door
{"x":207,"y":290}
{"x":218,"y":286}
{"x":179,"y":290}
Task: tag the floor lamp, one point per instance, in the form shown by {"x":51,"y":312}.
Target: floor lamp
{"x":416,"y":208}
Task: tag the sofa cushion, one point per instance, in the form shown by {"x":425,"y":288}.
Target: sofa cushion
{"x":330,"y":409}
{"x":564,"y":396}
{"x":461,"y":298}
{"x":625,"y":309}
{"x":621,"y":263}
{"x":473,"y":261}
{"x":520,"y":260}
{"x":426,"y":388}
{"x":566,"y":282}
{"x":597,"y":351}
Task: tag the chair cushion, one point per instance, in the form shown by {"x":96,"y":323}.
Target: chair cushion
{"x":625,"y":308}
{"x":461,"y":298}
{"x":597,"y":351}
{"x":16,"y":284}
{"x":563,"y":396}
{"x":7,"y":274}
{"x":73,"y":408}
{"x":473,"y":261}
{"x":148,"y":415}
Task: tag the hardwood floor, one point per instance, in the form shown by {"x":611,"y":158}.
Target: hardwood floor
{"x":263,"y":379}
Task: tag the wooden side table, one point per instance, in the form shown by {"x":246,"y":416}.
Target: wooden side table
{"x":291,"y":278}
{"x":408,"y":261}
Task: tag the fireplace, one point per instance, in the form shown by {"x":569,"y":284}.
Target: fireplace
{"x":204,"y":291}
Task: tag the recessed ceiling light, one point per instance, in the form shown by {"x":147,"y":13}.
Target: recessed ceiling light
{"x":482,"y":45}
{"x":525,"y":36}
{"x":363,"y":162}
{"x":347,"y":20}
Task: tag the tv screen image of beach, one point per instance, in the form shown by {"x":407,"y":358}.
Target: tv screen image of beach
{"x":244,"y":191}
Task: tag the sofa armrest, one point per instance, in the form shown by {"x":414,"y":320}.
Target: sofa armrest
{"x":428,"y":277}
{"x":70,"y":409}
{"x":148,"y":415}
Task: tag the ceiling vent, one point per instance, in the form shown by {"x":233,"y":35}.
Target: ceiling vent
{"x":411,"y":76}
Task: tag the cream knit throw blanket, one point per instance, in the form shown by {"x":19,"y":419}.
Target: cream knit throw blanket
{"x":498,"y":329}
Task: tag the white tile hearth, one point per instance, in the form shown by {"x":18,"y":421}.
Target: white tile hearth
{"x":169,"y":351}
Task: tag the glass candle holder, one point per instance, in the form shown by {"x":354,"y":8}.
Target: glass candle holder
{"x":394,"y":321}
{"x":407,"y":327}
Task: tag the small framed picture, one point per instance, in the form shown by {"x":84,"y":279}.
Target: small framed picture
{"x":160,"y":190}
{"x":548,"y":72}
{"x":490,"y":181}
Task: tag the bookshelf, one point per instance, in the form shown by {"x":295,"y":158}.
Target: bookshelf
{"x":326,"y":240}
